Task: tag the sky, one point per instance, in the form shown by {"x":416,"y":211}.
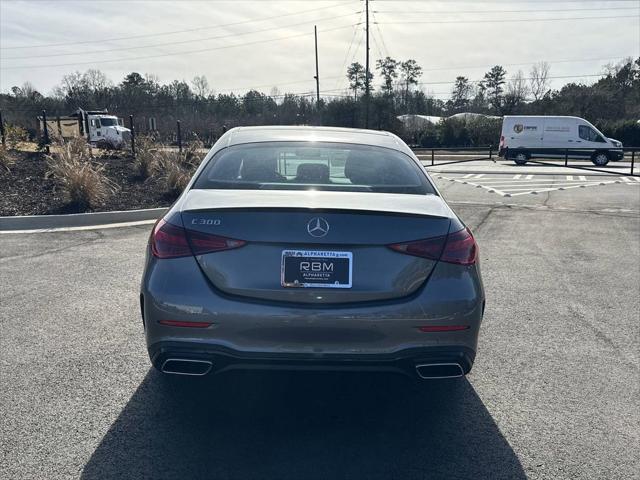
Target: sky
{"x":263,"y":44}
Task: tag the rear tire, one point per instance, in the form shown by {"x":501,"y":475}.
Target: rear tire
{"x":520,"y":158}
{"x":600,"y":159}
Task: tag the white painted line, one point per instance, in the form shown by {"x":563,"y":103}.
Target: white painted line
{"x":515,"y":177}
{"x":479,"y":175}
{"x":86,"y":227}
{"x":637,"y":179}
{"x":528,"y":177}
{"x":468,"y":175}
{"x":582,"y":177}
{"x":569,"y":177}
{"x":626,"y":179}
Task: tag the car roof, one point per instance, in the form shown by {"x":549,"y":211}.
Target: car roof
{"x":282,"y":133}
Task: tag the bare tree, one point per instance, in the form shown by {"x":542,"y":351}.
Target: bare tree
{"x":200,"y":85}
{"x":517,"y":87}
{"x":539,"y":80}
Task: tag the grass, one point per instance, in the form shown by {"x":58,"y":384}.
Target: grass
{"x":6,"y":160}
{"x":82,"y":180}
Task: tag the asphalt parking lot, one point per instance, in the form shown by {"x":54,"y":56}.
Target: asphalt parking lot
{"x":554,"y":392}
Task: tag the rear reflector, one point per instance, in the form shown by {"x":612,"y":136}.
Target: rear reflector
{"x":171,"y":241}
{"x":178,"y":323}
{"x":443,"y":328}
{"x":459,"y":247}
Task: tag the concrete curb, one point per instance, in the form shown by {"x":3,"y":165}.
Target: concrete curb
{"x":34,"y":223}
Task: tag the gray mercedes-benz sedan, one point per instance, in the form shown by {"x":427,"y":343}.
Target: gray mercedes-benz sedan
{"x":312,"y":248}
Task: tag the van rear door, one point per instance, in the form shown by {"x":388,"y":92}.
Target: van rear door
{"x":524,"y":132}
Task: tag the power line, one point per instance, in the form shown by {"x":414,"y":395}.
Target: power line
{"x":525,"y":78}
{"x":170,"y":54}
{"x":188,"y":30}
{"x":510,"y":20}
{"x":182,"y":42}
{"x":353,"y":37}
{"x":437,"y":12}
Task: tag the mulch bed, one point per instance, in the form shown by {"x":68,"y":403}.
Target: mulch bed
{"x":24,"y":190}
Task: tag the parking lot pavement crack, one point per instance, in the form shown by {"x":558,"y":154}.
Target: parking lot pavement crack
{"x":484,"y":219}
{"x":51,"y":251}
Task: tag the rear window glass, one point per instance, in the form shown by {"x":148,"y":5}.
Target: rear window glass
{"x":313,"y":166}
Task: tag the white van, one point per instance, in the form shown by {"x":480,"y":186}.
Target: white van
{"x":525,"y":137}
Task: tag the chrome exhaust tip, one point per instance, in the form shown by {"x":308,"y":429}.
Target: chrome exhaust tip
{"x":429,"y":371}
{"x":186,"y":366}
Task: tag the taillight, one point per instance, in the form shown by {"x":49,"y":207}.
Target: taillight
{"x":171,"y":241}
{"x":459,"y":247}
{"x":429,"y":248}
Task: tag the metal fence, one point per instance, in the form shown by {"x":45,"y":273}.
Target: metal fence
{"x":553,"y":157}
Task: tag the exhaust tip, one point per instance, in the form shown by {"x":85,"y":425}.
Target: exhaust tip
{"x":428,"y":371}
{"x":186,"y":366}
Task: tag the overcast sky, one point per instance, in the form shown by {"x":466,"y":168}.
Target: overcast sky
{"x":264,"y":44}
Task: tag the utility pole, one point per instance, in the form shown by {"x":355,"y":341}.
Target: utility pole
{"x":366,"y":73}
{"x":317,"y":77}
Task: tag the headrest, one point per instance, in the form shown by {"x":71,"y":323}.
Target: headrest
{"x":312,"y":173}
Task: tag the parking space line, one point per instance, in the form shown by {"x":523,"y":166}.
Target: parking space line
{"x":528,"y":177}
{"x":515,"y":177}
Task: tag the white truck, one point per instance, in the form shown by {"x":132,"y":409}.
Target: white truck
{"x":99,"y":127}
{"x":525,"y":137}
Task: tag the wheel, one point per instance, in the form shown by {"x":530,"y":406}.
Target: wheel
{"x":520,"y":158}
{"x":600,"y":159}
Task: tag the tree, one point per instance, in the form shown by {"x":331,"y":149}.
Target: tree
{"x":539,"y":80}
{"x":461,"y":94}
{"x":411,"y":71}
{"x":517,"y":91}
{"x":200,"y":86}
{"x":494,"y":80}
{"x":356,"y":75}
{"x":388,"y":68}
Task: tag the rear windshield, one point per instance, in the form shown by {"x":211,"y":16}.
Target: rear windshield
{"x":313,"y":166}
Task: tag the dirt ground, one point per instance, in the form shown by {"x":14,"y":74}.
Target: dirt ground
{"x":26,"y":190}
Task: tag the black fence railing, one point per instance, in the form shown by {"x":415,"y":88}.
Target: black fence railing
{"x":615,"y":161}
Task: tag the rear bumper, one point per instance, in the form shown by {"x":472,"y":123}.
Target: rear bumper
{"x":225,"y":359}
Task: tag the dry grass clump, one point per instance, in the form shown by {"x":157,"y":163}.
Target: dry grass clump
{"x":175,"y":172}
{"x":6,"y":160}
{"x":193,"y":150}
{"x":83,"y":181}
{"x":15,"y":135}
{"x":148,"y":153}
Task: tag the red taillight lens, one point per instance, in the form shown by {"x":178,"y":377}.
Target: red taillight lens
{"x":429,"y":248}
{"x":443,"y":328}
{"x":170,"y":241}
{"x":179,"y":323}
{"x":459,"y":247}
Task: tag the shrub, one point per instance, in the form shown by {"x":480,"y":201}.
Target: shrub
{"x":15,"y":135}
{"x":193,"y":150}
{"x":175,"y":171}
{"x":84,"y":182}
{"x":146,"y":162}
{"x":627,"y":131}
{"x":6,"y":160}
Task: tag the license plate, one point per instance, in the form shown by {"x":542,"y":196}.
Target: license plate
{"x":318,"y":269}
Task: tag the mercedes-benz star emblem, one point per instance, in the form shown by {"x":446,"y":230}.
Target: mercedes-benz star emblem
{"x":318,"y":227}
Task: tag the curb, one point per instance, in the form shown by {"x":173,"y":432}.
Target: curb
{"x":27,"y":223}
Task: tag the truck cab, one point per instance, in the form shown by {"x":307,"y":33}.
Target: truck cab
{"x":107,"y":130}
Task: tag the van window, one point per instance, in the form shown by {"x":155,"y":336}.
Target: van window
{"x":587,"y":133}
